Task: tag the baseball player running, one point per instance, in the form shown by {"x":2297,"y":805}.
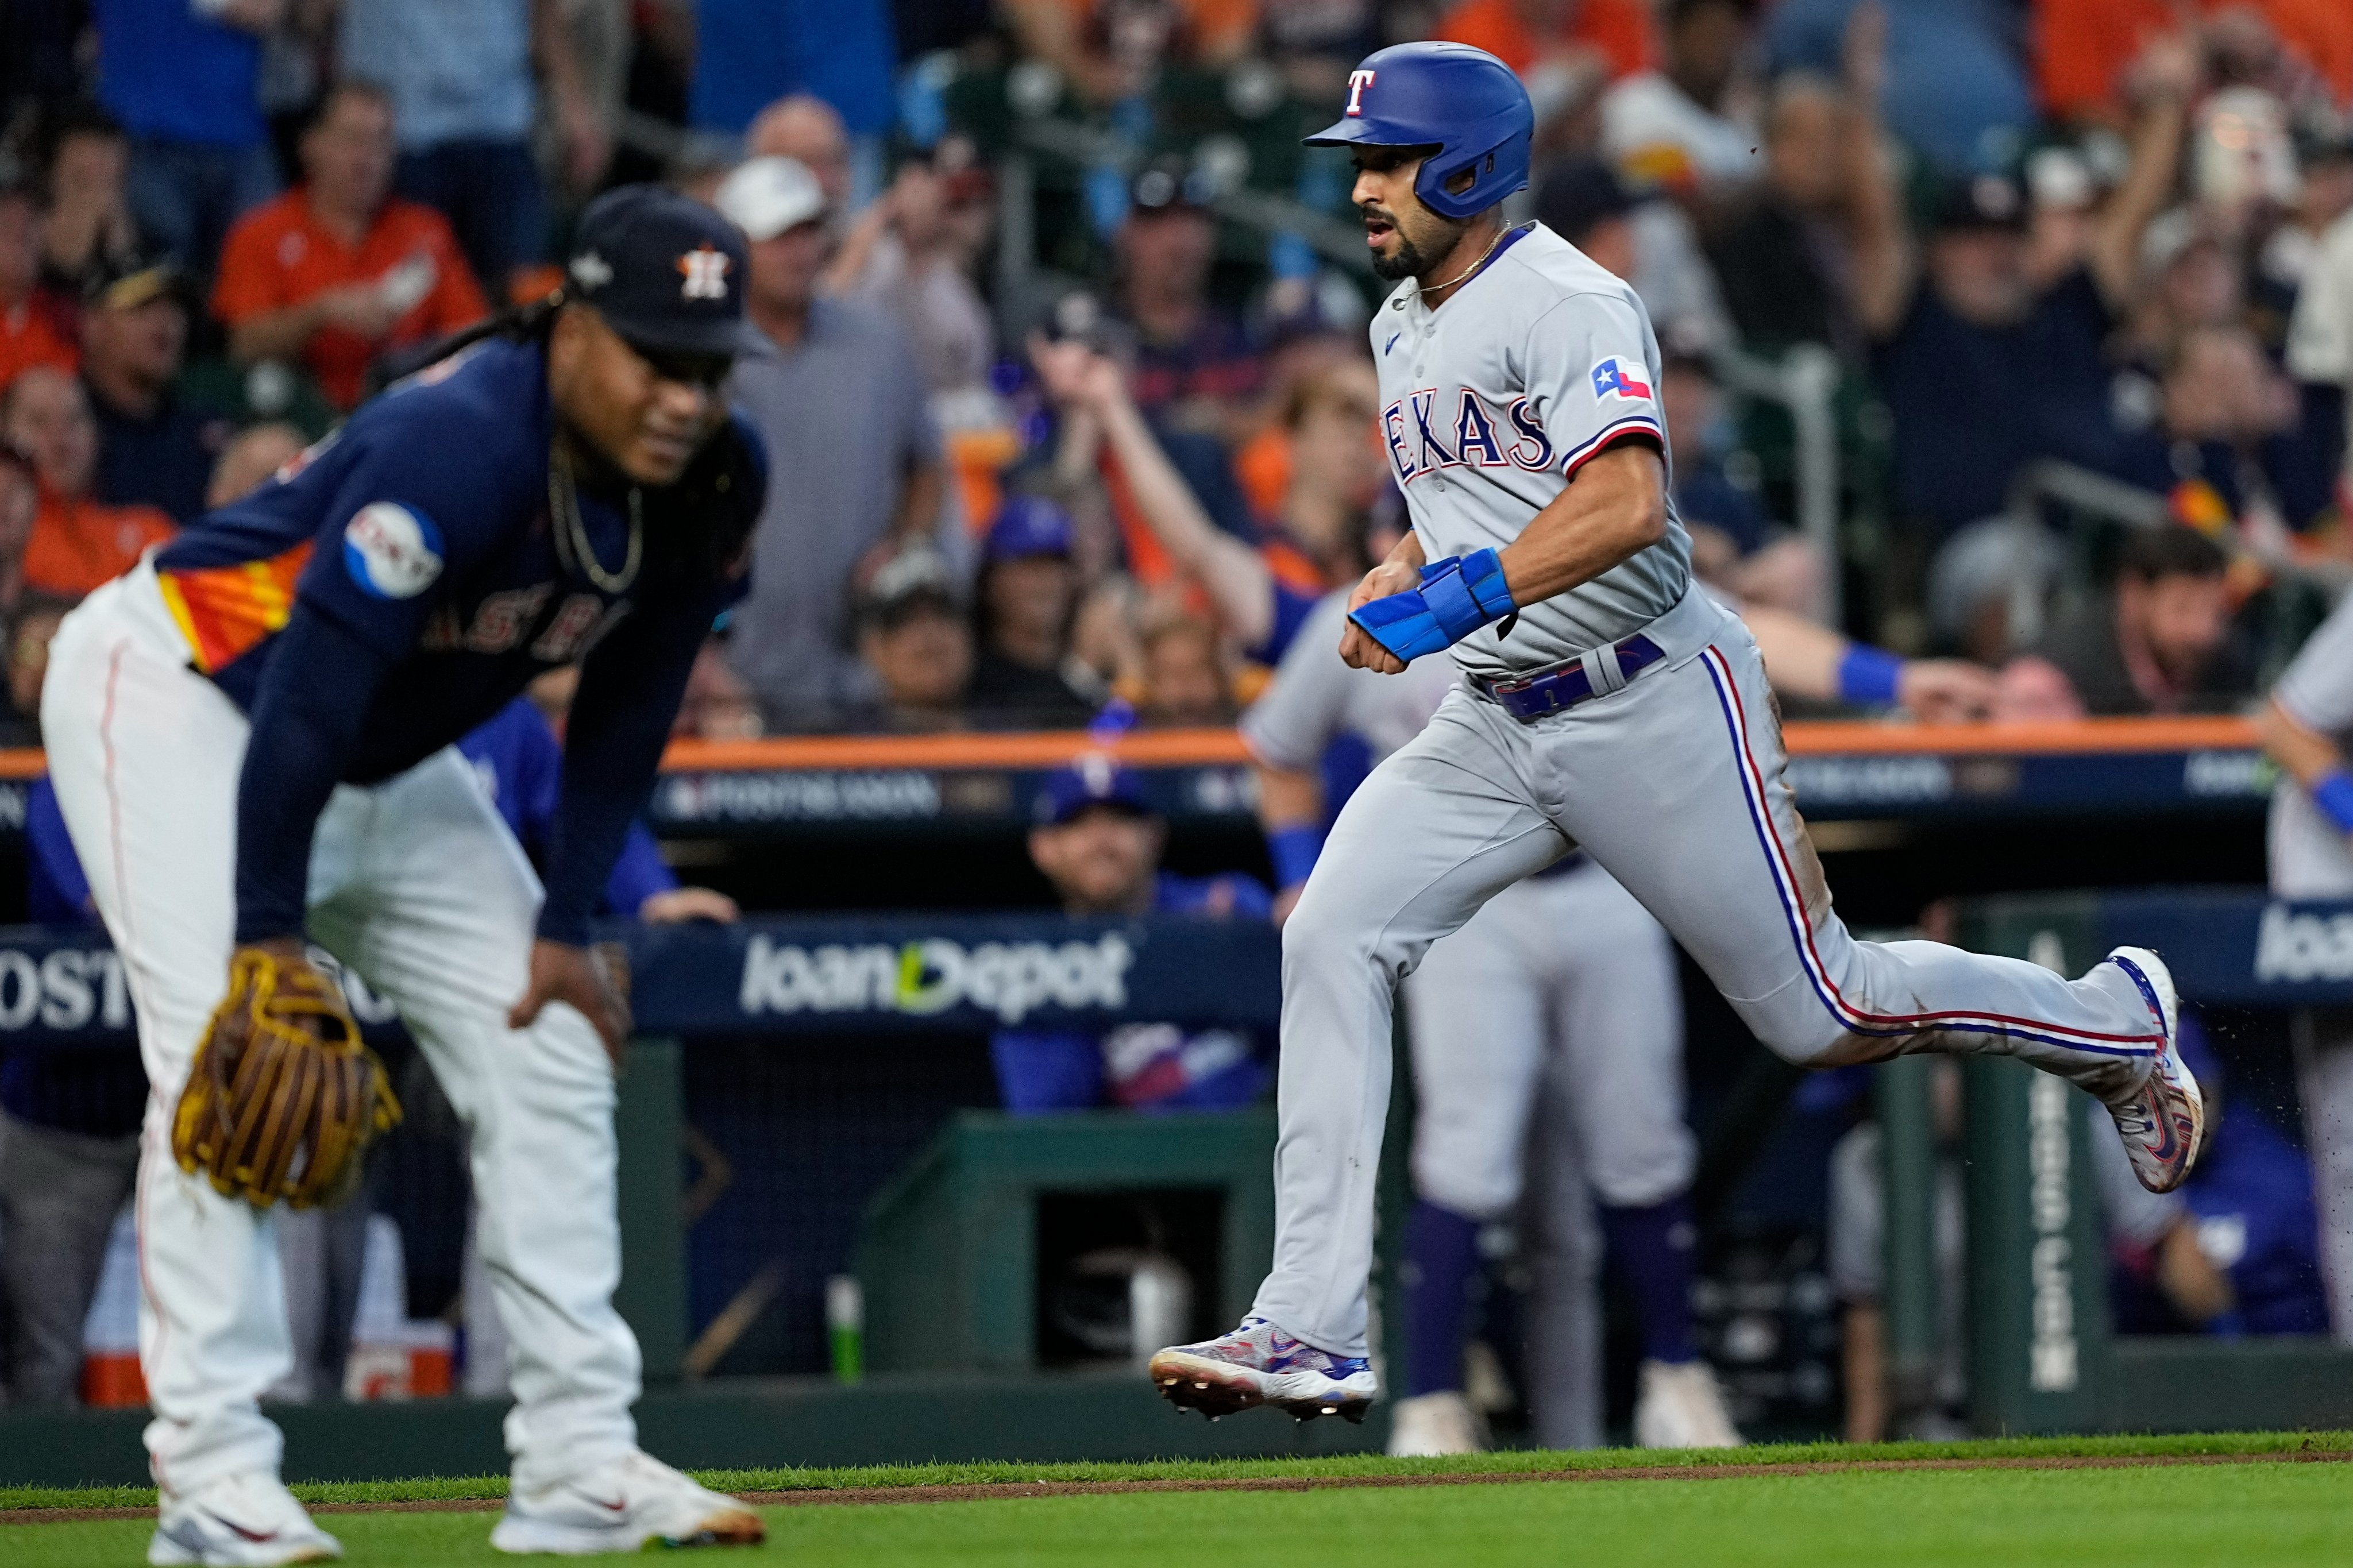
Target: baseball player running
{"x":1607,"y":704}
{"x":1510,"y":999}
{"x":2308,"y":727}
{"x":250,"y":734}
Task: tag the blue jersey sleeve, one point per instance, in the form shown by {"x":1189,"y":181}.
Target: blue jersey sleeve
{"x":630,"y":690}
{"x":428,"y":497}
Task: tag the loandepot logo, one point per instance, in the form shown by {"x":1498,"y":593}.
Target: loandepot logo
{"x":2290,"y":947}
{"x":1009,"y":979}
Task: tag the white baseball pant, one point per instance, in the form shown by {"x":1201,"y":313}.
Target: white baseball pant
{"x":418,"y":885}
{"x":1674,"y":783}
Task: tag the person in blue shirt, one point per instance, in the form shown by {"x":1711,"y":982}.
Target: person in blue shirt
{"x":181,"y":79}
{"x":520,"y":766}
{"x":2246,"y":1214}
{"x":1098,"y":841}
{"x":252,"y":734}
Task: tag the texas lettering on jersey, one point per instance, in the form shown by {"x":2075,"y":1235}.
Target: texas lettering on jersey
{"x":1420,"y":441}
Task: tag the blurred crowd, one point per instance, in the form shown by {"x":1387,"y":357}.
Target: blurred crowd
{"x":1070,"y":429}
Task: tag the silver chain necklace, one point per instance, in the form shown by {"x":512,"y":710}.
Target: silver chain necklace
{"x":572,"y":535}
{"x":1428,"y":290}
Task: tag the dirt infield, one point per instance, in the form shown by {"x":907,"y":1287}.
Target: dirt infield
{"x":999,"y":1490}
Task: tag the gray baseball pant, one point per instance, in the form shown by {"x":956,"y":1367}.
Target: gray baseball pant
{"x":1674,"y":783}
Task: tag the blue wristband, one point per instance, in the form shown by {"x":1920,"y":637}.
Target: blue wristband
{"x":1294,"y":851}
{"x":1867,"y":676}
{"x":2332,"y":792}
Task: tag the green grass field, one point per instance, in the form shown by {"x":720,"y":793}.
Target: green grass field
{"x":2242,"y":1515}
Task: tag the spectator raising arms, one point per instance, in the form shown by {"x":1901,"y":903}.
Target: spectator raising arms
{"x":1260,"y":605}
{"x":1982,"y":371}
{"x":77,"y":543}
{"x":336,"y":271}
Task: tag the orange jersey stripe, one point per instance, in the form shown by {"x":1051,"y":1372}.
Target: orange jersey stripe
{"x":225,"y":611}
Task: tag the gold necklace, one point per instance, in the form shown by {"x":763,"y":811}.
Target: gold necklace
{"x":1426,"y":291}
{"x":572,"y":535}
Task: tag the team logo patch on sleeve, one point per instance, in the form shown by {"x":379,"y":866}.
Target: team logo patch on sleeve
{"x":1612,"y":379}
{"x":391,"y":552}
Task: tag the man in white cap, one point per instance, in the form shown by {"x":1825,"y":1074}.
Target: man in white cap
{"x":837,"y":395}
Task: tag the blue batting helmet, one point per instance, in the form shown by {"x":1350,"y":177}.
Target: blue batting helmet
{"x":1462,"y":102}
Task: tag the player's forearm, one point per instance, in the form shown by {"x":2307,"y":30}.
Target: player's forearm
{"x":2302,"y":754}
{"x":1615,"y":510}
{"x":2312,"y":760}
{"x":1290,"y":813}
{"x":307,"y":721}
{"x":629,"y":693}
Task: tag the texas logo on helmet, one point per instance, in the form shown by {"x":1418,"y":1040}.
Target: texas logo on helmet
{"x":1611,"y":380}
{"x":1357,"y":81}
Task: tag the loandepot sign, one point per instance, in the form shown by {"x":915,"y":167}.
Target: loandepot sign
{"x":2292,"y":946}
{"x":1008,"y":979}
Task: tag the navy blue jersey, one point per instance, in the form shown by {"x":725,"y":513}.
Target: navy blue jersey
{"x":401,"y":580}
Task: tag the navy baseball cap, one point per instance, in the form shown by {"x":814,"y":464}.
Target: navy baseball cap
{"x":1028,"y":525}
{"x":664,"y":271}
{"x":1088,"y":781}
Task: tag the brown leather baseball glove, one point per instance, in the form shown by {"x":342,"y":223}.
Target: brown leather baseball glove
{"x":283,"y":1098}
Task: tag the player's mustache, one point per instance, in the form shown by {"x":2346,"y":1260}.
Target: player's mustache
{"x":1373,"y":213}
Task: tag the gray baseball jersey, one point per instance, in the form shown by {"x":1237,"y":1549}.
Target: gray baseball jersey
{"x":2310,"y":859}
{"x":1674,"y":780}
{"x":1544,"y":360}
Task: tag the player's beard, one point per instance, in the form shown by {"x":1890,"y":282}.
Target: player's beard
{"x":1412,"y":260}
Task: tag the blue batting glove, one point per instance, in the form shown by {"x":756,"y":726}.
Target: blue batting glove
{"x":1457,"y":596}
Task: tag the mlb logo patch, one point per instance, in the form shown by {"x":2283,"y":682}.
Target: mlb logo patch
{"x":1611,"y":380}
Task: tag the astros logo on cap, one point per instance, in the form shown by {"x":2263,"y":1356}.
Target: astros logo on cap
{"x":705,"y":270}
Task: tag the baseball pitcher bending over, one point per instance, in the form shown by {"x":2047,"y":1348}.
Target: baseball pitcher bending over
{"x":1605,"y":704}
{"x":250,"y":734}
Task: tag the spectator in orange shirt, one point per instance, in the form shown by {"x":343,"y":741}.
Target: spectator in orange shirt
{"x":76,"y":543}
{"x":2085,"y":49}
{"x":334,"y":272}
{"x":28,"y":336}
{"x":1534,"y":37}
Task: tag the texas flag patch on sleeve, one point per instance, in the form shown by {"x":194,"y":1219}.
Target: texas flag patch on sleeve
{"x":1612,"y":379}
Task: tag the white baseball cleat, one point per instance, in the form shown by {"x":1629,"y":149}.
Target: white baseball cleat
{"x":1680,"y":1406}
{"x":245,"y":1520}
{"x":1258,"y":1363}
{"x":1431,"y":1423}
{"x":2162,"y":1122}
{"x":623,"y":1505}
